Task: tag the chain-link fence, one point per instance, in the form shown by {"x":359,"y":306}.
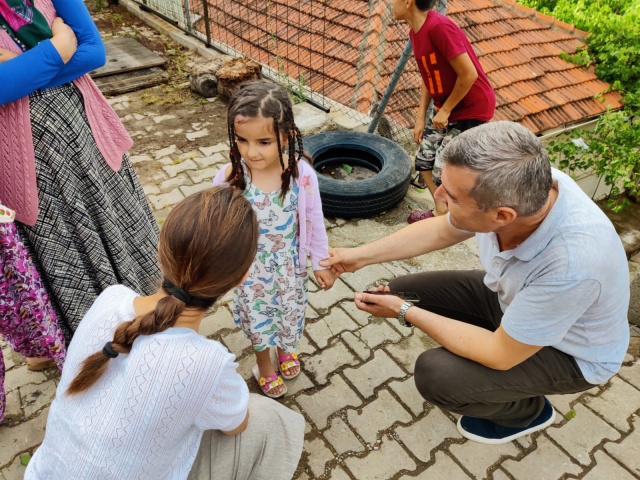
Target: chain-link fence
{"x":336,"y":54}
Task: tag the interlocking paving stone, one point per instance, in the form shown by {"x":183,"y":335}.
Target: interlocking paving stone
{"x":198,"y":176}
{"x":319,"y":455}
{"x":357,"y":345}
{"x":381,"y":464}
{"x":331,"y":325}
{"x":444,"y":468}
{"x":607,"y":468}
{"x":307,"y":427}
{"x":191,"y":136}
{"x":364,"y":278}
{"x":164,"y":152}
{"x":338,"y":474}
{"x":385,"y":410}
{"x":408,"y":393}
{"x":616,"y":404}
{"x":301,"y":382}
{"x":582,"y":433}
{"x":478,"y":457}
{"x":407,"y":351}
{"x":212,"y":323}
{"x":12,"y":409}
{"x":216,"y":159}
{"x":219,"y":147}
{"x":367,"y":377}
{"x":545,"y":462}
{"x":166,"y":199}
{"x":174,"y":182}
{"x":311,"y":314}
{"x":21,"y":376}
{"x":341,"y":438}
{"x":174,"y":170}
{"x":320,"y":404}
{"x":8,"y":356}
{"x":500,"y":475}
{"x":191,"y":189}
{"x":15,"y":471}
{"x":562,"y":403}
{"x":236,"y":342}
{"x":323,"y":364}
{"x":427,"y":433}
{"x":378,"y":332}
{"x":304,"y":347}
{"x":626,"y":452}
{"x":36,"y":397}
{"x":631,"y":374}
{"x":362,"y":318}
{"x":322,"y":301}
{"x":21,"y":437}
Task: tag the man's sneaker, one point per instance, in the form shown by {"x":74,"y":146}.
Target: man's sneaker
{"x":420,"y":215}
{"x":485,"y":431}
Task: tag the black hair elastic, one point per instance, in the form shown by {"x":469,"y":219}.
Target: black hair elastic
{"x":185,"y":297}
{"x":108,"y":351}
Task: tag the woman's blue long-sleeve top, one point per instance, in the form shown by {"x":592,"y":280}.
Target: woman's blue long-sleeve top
{"x":42,"y":67}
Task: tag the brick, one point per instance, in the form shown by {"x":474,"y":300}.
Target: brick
{"x":362,"y":279}
{"x":381,"y":464}
{"x":378,"y":332}
{"x":478,"y":458}
{"x":563,"y":403}
{"x":319,"y":455}
{"x":428,"y":433}
{"x":626,"y":452}
{"x":174,"y":182}
{"x":166,"y":199}
{"x":546,"y":461}
{"x":582,"y":433}
{"x":358,"y":346}
{"x":25,"y":436}
{"x":606,"y":467}
{"x":19,"y":377}
{"x":330,"y":326}
{"x":36,"y":397}
{"x":362,"y":318}
{"x":219,"y":319}
{"x":320,"y":404}
{"x":407,"y":351}
{"x":322,"y":365}
{"x":369,"y":376}
{"x":174,"y":170}
{"x":191,"y":136}
{"x":385,"y":409}
{"x":198,"y":176}
{"x":409,"y":396}
{"x":616,"y":404}
{"x":444,"y":468}
{"x":339,"y":293}
{"x":631,"y":374}
{"x":191,"y":189}
{"x":170,"y":150}
{"x":12,"y":409}
{"x":341,"y":438}
{"x":219,"y":147}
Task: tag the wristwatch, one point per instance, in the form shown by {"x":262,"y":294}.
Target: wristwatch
{"x":403,"y":311}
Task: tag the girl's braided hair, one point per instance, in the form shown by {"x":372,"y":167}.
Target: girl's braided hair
{"x":207,"y":244}
{"x":264,"y":99}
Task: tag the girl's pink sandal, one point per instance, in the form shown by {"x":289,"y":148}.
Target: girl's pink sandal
{"x":286,"y":362}
{"x":269,"y":383}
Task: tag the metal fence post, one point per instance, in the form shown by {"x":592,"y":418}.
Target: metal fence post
{"x":397,"y":73}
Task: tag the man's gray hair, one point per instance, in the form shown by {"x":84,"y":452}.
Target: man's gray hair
{"x":510,"y":162}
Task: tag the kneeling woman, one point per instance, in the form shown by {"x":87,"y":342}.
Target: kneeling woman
{"x":143,"y":394}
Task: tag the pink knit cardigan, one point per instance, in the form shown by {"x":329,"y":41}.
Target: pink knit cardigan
{"x":18,"y":187}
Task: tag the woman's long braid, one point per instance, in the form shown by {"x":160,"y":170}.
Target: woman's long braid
{"x":164,"y":316}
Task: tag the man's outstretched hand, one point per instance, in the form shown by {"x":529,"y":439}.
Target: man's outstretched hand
{"x":343,"y":260}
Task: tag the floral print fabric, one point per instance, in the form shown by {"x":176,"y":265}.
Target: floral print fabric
{"x":27,"y":321}
{"x":270,"y":306}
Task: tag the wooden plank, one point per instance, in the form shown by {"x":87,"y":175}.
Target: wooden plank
{"x":130,"y":81}
{"x":126,"y":55}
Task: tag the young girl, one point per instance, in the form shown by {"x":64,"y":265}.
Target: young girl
{"x":142,"y":390}
{"x":283,"y":189}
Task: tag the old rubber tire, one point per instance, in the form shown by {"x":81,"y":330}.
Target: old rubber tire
{"x":359,"y":198}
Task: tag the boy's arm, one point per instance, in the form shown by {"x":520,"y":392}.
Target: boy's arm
{"x":425,"y":98}
{"x":466,"y":76}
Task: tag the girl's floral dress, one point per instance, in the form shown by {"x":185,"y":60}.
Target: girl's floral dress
{"x":27,"y":321}
{"x":270,"y":306}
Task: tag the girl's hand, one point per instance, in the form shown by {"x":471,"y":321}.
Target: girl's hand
{"x":325,"y":278}
{"x":6,"y":55}
{"x":64,"y":39}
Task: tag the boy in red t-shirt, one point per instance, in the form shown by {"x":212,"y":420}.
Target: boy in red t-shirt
{"x":453,"y":78}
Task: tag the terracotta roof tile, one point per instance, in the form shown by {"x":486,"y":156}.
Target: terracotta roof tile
{"x":334,"y":44}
